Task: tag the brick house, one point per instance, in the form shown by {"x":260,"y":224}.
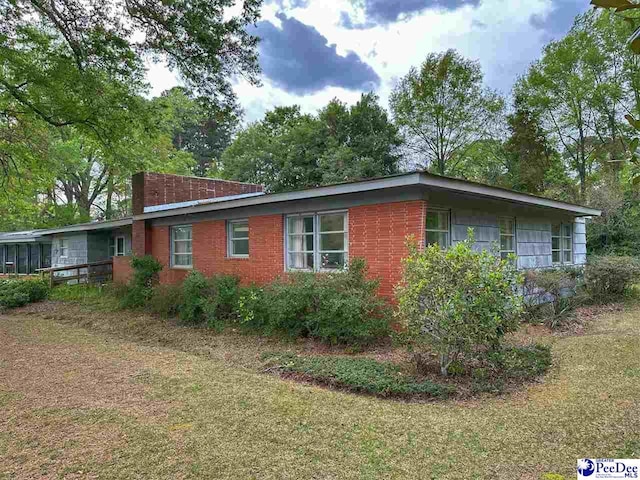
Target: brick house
{"x":217,"y":226}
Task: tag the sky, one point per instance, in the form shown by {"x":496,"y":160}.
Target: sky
{"x":315,"y":50}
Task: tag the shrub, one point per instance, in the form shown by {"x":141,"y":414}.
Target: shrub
{"x":221,"y":305}
{"x":17,"y":293}
{"x":521,"y":362}
{"x":195,"y":292}
{"x":357,"y":374}
{"x":166,"y":300}
{"x":340,"y":307}
{"x":610,"y":277}
{"x":457,"y":300}
{"x":212,"y":299}
{"x":550,"y":295}
{"x":140,"y":287}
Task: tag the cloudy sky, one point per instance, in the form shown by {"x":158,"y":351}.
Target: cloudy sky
{"x":315,"y":50}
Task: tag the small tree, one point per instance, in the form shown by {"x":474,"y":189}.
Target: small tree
{"x":457,"y":300}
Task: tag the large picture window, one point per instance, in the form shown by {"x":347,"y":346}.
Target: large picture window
{"x":238,"y":236}
{"x":181,"y":252}
{"x":317,"y":242}
{"x":437,"y":228}
{"x":562,"y":243}
{"x":507,"y":237}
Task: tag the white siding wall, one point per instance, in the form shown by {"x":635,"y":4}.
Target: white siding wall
{"x":579,"y":242}
{"x":533,"y":236}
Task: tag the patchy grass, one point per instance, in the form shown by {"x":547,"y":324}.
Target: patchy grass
{"x":357,"y":374}
{"x":130,"y":396}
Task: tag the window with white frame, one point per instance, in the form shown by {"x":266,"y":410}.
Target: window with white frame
{"x":438,"y":228}
{"x":181,"y":251}
{"x":63,"y":247}
{"x":562,"y":243}
{"x":238,"y":238}
{"x":117,"y":246}
{"x":317,"y":242}
{"x":507,"y":237}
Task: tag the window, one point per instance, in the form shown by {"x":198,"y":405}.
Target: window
{"x":238,"y":238}
{"x":317,"y":242}
{"x":181,"y":253}
{"x":437,"y":228}
{"x":507,"y":237}
{"x":561,"y":244}
{"x":63,"y":248}
{"x":116,"y":246}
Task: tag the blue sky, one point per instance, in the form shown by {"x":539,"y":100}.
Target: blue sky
{"x":315,"y":50}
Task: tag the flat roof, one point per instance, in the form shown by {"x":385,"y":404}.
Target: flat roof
{"x":420,"y":179}
{"x":34,"y":235}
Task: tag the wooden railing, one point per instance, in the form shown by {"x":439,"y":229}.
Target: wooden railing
{"x":96,"y":272}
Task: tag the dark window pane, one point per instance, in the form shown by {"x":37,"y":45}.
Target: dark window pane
{"x":331,"y":241}
{"x":555,"y":257}
{"x":437,"y":220}
{"x":506,"y":226}
{"x":566,"y":243}
{"x":555,"y":243}
{"x":439,"y":238}
{"x":332,"y":223}
{"x":34,"y":259}
{"x":332,"y":260}
{"x":555,"y":230}
{"x":22,"y":258}
{"x":46,"y":256}
{"x":11,"y":259}
{"x":241,"y":247}
{"x":120,"y":246}
{"x":301,"y":260}
{"x":566,"y":230}
{"x":240,"y":230}
{"x":567,"y":257}
{"x":506,"y":243}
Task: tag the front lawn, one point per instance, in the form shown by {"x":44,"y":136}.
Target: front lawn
{"x":87,"y":394}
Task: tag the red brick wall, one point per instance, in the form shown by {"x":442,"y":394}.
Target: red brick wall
{"x":378,"y":232}
{"x":151,"y":189}
{"x":122,"y":270}
{"x":266,"y":251}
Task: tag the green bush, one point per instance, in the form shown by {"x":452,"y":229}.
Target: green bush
{"x":609,"y":278}
{"x":221,"y":306}
{"x":340,"y":307}
{"x":195,"y":293}
{"x":213,"y":300}
{"x":166,"y":301}
{"x":140,"y":287}
{"x":17,"y":293}
{"x":521,"y":362}
{"x":457,"y":300}
{"x":551,"y":295}
{"x":357,"y":374}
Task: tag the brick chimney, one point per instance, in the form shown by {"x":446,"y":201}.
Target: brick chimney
{"x":150,"y":189}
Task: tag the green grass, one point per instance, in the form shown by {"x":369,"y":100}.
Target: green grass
{"x":123,"y":398}
{"x":357,"y":374}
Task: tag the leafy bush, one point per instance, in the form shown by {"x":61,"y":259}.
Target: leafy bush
{"x":340,"y":307}
{"x":521,"y":362}
{"x":195,"y":292}
{"x":166,"y":301}
{"x":357,"y":374}
{"x":551,"y":295}
{"x":17,"y":293}
{"x":457,"y":300}
{"x":610,"y":277}
{"x":212,"y":299}
{"x":140,"y":287}
{"x":221,"y":305}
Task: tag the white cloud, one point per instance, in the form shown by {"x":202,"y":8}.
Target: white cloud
{"x":498,"y":33}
